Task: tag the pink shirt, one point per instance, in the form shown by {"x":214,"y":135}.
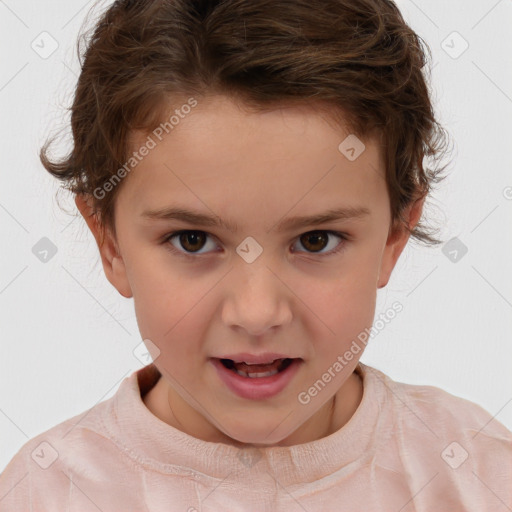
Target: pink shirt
{"x":407,"y":448}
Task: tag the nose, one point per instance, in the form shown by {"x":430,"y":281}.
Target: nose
{"x":256,"y":299}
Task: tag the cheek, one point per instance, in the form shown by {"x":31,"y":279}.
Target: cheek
{"x":162,"y":296}
{"x":169,"y":319}
{"x":166,"y":307}
{"x":342,"y":307}
{"x":172,"y":310}
{"x":344,"y":310}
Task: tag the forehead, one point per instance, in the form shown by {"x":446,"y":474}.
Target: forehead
{"x":220,"y":152}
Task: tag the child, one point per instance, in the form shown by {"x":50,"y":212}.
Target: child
{"x":251,"y":171}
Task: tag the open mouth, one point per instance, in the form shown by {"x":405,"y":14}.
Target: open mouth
{"x":254,"y":371}
{"x":257,"y":381}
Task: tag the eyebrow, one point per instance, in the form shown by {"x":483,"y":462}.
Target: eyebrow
{"x":287,"y":224}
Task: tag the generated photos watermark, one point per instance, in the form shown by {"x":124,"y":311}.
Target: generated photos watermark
{"x":144,"y":149}
{"x":304,"y":397}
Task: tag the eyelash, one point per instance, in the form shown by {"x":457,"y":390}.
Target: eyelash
{"x":340,"y":247}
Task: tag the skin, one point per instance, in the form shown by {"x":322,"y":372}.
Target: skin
{"x":253,"y":169}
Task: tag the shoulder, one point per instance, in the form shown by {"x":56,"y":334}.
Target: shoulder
{"x":49,"y":460}
{"x":458,"y":446}
{"x":443,"y":413}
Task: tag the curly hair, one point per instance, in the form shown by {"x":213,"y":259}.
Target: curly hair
{"x":356,"y":60}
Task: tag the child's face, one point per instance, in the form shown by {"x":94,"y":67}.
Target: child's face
{"x":294,"y":299}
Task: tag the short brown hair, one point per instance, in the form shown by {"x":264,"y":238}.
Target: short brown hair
{"x":356,"y":60}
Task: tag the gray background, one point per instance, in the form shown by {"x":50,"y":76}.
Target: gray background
{"x":68,"y":337}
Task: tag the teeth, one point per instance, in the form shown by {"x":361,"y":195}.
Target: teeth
{"x":253,"y":364}
{"x":256,"y":375}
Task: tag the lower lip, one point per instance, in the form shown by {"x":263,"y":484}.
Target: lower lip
{"x":258,"y":388}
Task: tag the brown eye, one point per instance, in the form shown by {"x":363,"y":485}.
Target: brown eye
{"x":192,"y":241}
{"x":314,"y":240}
{"x":189,"y":242}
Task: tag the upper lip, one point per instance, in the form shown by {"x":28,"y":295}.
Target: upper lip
{"x":266,"y":357}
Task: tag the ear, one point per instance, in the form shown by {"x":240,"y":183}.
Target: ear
{"x":113,"y":263}
{"x":397,"y":240}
